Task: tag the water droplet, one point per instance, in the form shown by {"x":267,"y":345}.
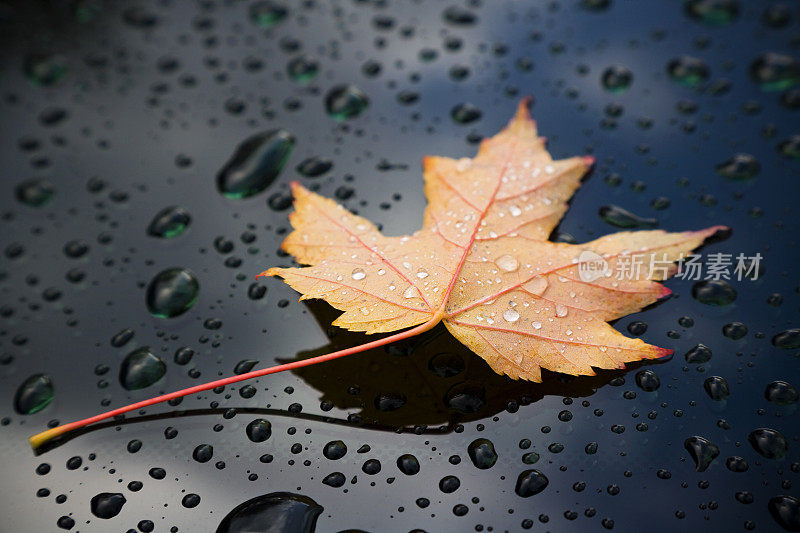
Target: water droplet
{"x":482,"y":453}
{"x":508,"y":263}
{"x":259,"y":430}
{"x":267,"y":13}
{"x":408,"y":464}
{"x":617,"y":78}
{"x":713,"y":292}
{"x":530,"y":482}
{"x":717,"y":388}
{"x":334,"y":450}
{"x":739,"y":167}
{"x":781,"y":393}
{"x":734,"y":330}
{"x":389,"y":401}
{"x":621,"y":218}
{"x":466,"y":397}
{"x":302,"y":69}
{"x":203,"y":453}
{"x":277,"y":512}
{"x":459,"y":16}
{"x":647,"y":380}
{"x":335,"y":480}
{"x":510,"y":315}
{"x":44,"y":69}
{"x":34,"y":394}
{"x":410,"y":292}
{"x":255,"y":164}
{"x":35,"y":192}
{"x":712,"y":12}
{"x":140,"y":369}
{"x":446,"y":364}
{"x":699,"y":354}
{"x":561,"y":310}
{"x":775,"y":72}
{"x":169,"y":222}
{"x":358,"y":274}
{"x":465,"y":113}
{"x":702,"y":451}
{"x":769,"y":443}
{"x":536,"y":325}
{"x":314,"y":167}
{"x":688,"y":71}
{"x":107,"y":504}
{"x":790,"y":147}
{"x":172,"y":292}
{"x":345,"y":102}
{"x":422,"y":273}
{"x":787,"y":340}
{"x":786,"y":512}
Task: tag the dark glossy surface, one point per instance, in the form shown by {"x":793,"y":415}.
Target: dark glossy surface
{"x":112,"y":112}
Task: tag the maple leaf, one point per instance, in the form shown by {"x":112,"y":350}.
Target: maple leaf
{"x":482,"y":263}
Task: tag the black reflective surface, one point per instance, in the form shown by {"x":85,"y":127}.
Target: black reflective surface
{"x":113,"y":112}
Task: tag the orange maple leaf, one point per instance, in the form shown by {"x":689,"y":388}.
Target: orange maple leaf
{"x":482,"y":263}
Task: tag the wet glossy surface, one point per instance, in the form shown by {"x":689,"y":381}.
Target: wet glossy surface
{"x":112,"y":114}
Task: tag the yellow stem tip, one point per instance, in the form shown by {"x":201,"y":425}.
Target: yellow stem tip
{"x":40,"y":438}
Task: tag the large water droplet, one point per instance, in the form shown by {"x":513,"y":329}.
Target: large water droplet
{"x":647,"y":380}
{"x":35,"y":192}
{"x":786,"y":512}
{"x":466,"y":397}
{"x":358,"y":274}
{"x":714,"y":292}
{"x":446,"y":364}
{"x":717,"y":388}
{"x":781,"y":393}
{"x":482,"y":453}
{"x":267,"y":13}
{"x":302,"y":69}
{"x":787,"y":340}
{"x":169,"y":222}
{"x":511,"y":315}
{"x":739,"y":167}
{"x":255,"y":164}
{"x":107,"y":504}
{"x":259,"y":430}
{"x":769,"y":443}
{"x":775,"y":72}
{"x":172,"y":292}
{"x":408,"y":464}
{"x":44,"y":69}
{"x":34,"y":394}
{"x":465,"y":113}
{"x":531,"y":482}
{"x":713,"y":12}
{"x":622,"y":218}
{"x":617,"y":78}
{"x":702,"y":451}
{"x":314,"y":167}
{"x":507,"y":263}
{"x":141,"y":368}
{"x":688,"y":71}
{"x":699,"y":354}
{"x":277,"y":512}
{"x":345,"y":102}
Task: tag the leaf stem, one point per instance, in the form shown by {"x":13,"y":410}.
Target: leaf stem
{"x":41,"y":438}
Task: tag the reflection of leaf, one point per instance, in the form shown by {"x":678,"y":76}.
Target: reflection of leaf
{"x":424,"y":372}
{"x":483,"y":266}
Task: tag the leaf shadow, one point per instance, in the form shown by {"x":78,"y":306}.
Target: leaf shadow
{"x":429,"y":380}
